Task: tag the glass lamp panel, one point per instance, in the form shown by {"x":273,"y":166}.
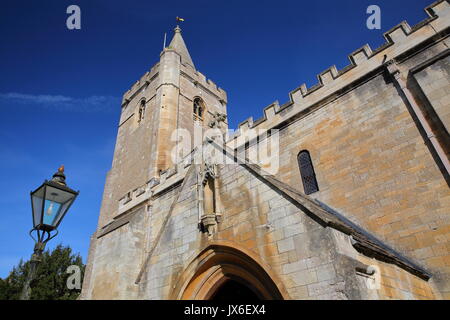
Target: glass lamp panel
{"x":64,"y":207}
{"x":55,"y":205}
{"x":37,"y":202}
{"x":51,"y":212}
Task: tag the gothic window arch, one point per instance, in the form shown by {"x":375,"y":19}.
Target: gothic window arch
{"x":307,"y":172}
{"x":198,"y":109}
{"x":141,"y":112}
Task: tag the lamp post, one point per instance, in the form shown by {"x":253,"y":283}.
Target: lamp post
{"x":49,"y":203}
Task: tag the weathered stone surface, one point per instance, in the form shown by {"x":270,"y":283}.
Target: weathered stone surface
{"x":371,"y":163}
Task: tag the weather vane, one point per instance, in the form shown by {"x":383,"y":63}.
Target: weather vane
{"x":177,"y":29}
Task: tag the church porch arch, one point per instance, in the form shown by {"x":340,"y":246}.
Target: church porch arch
{"x":222,"y":263}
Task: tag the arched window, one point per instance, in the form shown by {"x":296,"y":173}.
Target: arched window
{"x":307,"y":172}
{"x":141,"y":113}
{"x":199,"y":109}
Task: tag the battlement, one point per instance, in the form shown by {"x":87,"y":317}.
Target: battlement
{"x":363,"y":61}
{"x":199,"y":78}
{"x":155,"y":186}
{"x":195,"y":76}
{"x":144,"y":80}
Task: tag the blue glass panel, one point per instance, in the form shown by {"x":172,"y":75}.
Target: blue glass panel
{"x":51,"y":211}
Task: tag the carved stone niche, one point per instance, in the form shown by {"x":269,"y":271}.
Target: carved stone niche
{"x":208,"y":201}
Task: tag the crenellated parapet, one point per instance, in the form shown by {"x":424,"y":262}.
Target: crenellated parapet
{"x":167,"y":179}
{"x":196,"y":77}
{"x":199,"y":79}
{"x":363,"y":62}
{"x":145,"y":80}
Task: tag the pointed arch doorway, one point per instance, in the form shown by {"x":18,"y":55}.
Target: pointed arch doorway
{"x":223,"y":272}
{"x":235,"y":290}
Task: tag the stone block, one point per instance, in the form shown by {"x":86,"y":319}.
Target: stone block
{"x":285,"y":245}
{"x":304,"y":277}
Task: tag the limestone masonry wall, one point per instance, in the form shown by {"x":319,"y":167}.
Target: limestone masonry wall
{"x":373,"y":163}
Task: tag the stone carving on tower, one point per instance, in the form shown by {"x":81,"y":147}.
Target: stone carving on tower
{"x":208,"y":194}
{"x":218,"y":118}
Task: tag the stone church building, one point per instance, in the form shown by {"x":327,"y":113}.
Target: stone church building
{"x":354,"y":204}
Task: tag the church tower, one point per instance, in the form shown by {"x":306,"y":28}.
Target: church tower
{"x":172,"y":96}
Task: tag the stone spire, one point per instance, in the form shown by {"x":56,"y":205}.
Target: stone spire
{"x":179,"y":46}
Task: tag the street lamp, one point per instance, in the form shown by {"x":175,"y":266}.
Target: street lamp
{"x":50,"y":202}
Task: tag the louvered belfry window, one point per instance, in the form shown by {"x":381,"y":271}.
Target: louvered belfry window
{"x":198,"y":109}
{"x":307,"y":172}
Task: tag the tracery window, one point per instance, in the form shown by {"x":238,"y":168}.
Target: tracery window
{"x":307,"y":172}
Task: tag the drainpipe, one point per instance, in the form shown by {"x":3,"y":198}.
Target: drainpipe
{"x":400,"y":80}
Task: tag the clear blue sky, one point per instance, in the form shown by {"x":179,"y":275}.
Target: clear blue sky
{"x":60,"y":90}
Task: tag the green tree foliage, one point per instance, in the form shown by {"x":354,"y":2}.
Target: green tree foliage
{"x":50,"y":282}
